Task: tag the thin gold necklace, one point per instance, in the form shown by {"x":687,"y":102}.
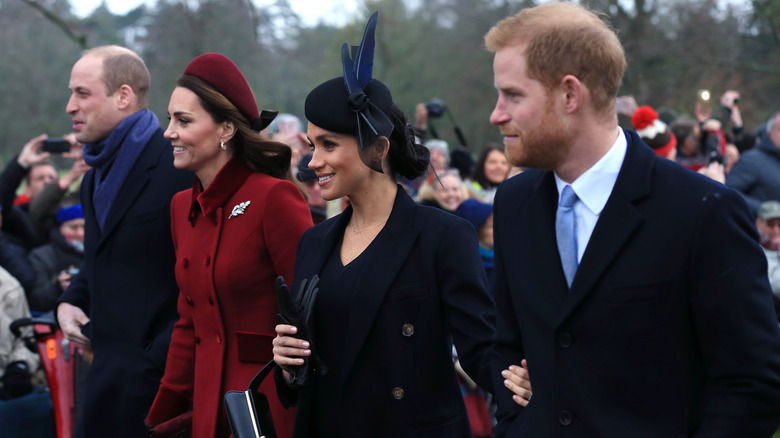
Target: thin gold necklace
{"x":356,"y":231}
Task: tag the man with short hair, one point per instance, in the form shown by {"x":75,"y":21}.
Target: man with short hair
{"x":35,"y":168}
{"x":632,"y":292}
{"x":123,"y":301}
{"x":768,"y":226}
{"x":757,"y":173}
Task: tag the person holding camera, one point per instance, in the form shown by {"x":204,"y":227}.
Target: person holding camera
{"x":33,"y":166}
{"x":58,"y":261}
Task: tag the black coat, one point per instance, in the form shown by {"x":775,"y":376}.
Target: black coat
{"x":48,"y":261}
{"x":669,"y":328}
{"x":422,"y":287}
{"x":127,"y":287}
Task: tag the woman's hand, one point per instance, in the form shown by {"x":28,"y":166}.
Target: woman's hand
{"x":288,"y":350}
{"x":519,"y":382}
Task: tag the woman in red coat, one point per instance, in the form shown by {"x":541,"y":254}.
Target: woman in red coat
{"x":234,"y":232}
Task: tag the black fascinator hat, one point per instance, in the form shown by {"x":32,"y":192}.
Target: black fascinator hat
{"x":355,"y":104}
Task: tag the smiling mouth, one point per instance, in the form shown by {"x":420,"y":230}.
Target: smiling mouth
{"x":179,"y":149}
{"x":325,"y":178}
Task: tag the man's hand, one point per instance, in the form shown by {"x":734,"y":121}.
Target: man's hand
{"x":78,"y":169}
{"x":76,"y":149}
{"x":31,"y":152}
{"x":71,"y":319}
{"x":729,"y":99}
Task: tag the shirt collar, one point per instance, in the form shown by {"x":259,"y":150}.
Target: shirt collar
{"x":595,"y":185}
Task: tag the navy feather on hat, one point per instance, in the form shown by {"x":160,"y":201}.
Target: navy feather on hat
{"x":355,"y":104}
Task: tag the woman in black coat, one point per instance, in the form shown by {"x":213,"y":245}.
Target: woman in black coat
{"x":398,"y":282}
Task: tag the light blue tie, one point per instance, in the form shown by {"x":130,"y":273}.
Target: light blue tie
{"x":566,"y":233}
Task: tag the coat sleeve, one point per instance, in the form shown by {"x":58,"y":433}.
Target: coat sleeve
{"x":46,"y":290}
{"x":743,"y":178}
{"x":508,"y":349}
{"x":174,"y":396}
{"x":285,"y":219}
{"x":44,"y":206}
{"x":469,"y":309}
{"x":10,"y":178}
{"x":734,"y":319}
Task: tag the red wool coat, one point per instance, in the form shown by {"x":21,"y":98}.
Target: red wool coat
{"x":232,"y":241}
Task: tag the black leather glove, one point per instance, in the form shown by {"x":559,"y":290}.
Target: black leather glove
{"x":17,"y":380}
{"x":297,"y":311}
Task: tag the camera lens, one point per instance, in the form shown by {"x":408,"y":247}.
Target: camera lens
{"x":435,"y":108}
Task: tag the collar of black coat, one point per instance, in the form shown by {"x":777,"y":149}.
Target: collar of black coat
{"x":228,"y":180}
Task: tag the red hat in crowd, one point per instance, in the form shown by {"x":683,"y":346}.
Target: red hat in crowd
{"x":653,"y":131}
{"x":223,"y":75}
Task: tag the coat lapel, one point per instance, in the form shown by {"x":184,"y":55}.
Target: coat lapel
{"x":87,"y":189}
{"x":394,"y":244}
{"x":133,"y":186}
{"x":617,"y":222}
{"x":540,"y":238}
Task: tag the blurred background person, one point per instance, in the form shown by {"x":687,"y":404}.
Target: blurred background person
{"x":17,"y":362}
{"x":654,"y":132}
{"x":768,"y":226}
{"x":286,"y":128}
{"x":64,"y":190}
{"x":33,"y":166}
{"x":57,"y":261}
{"x":440,"y":156}
{"x":490,"y":170}
{"x":317,"y":205}
{"x":446,"y":191}
{"x":244,"y":205}
{"x":480,"y":214}
{"x":757,"y":173}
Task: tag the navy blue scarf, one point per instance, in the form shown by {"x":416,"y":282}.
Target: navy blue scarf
{"x":113,"y":158}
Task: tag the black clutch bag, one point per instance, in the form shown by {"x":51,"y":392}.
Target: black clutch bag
{"x":248,"y":411}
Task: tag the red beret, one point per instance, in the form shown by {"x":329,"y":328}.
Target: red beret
{"x":221,"y":73}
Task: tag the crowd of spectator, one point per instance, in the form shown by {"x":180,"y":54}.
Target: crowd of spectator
{"x":42,"y":233}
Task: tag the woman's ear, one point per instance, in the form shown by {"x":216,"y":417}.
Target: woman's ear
{"x":228,"y":131}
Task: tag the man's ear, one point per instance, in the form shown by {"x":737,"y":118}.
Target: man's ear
{"x":573,"y":91}
{"x":126,"y":98}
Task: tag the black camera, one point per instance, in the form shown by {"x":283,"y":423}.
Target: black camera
{"x":56,"y":145}
{"x":435,"y":107}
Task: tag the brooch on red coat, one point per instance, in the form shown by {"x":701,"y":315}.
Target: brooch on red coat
{"x":239,"y":209}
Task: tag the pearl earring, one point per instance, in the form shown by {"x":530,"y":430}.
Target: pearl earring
{"x":222,"y":145}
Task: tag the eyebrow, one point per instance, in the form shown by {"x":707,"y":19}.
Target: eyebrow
{"x":322,"y":137}
{"x":178,"y":113}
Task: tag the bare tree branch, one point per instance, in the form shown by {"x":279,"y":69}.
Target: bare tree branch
{"x":80,"y":39}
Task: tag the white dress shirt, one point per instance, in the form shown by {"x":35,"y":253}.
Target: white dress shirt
{"x":593,"y":189}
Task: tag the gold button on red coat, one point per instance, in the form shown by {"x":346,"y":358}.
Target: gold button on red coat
{"x":219,"y":339}
{"x":398,"y":393}
{"x":407,"y":330}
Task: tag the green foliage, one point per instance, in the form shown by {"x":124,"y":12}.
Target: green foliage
{"x":425,"y":49}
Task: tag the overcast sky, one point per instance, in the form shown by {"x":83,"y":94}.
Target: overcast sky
{"x":311,"y":11}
